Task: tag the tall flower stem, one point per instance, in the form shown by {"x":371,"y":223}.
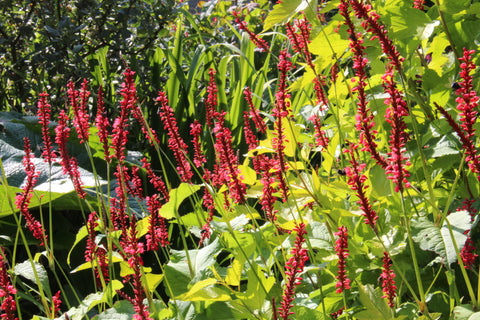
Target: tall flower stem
{"x":422,"y":302}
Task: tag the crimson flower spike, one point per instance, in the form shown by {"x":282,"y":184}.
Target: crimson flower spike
{"x":228,"y":161}
{"x":69,"y":164}
{"x":268,"y":199}
{"x":209,"y":204}
{"x":370,"y":24}
{"x":341,"y":247}
{"x":80,"y":112}
{"x":356,"y":181}
{"x":280,"y":112}
{"x":472,"y":158}
{"x":157,"y":182}
{"x":102,"y":124}
{"x":388,"y":284}
{"x":260,"y":43}
{"x":259,"y":124}
{"x":467,"y":99}
{"x":294,"y":267}
{"x":195,"y":130}
{"x":120,"y":132}
{"x":418,"y":4}
{"x":211,"y":104}
{"x":397,"y":109}
{"x":364,"y":118}
{"x":175,"y":142}
{"x":320,"y":137}
{"x":22,"y":199}
{"x":133,"y":249}
{"x":44,"y":119}
{"x":7,"y":291}
{"x":157,"y":229}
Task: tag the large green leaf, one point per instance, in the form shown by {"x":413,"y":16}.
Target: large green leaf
{"x":283,"y":11}
{"x":26,"y":270}
{"x":433,"y":238}
{"x":177,"y":196}
{"x":376,"y":306}
{"x":181,"y":270}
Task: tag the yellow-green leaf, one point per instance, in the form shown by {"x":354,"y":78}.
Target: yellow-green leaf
{"x":177,"y":196}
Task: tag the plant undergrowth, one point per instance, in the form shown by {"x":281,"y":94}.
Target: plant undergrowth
{"x":306,"y":160}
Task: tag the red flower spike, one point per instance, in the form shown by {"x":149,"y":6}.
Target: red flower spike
{"x":472,"y":158}
{"x":321,"y":140}
{"x":418,"y":4}
{"x":228,"y":161}
{"x":195,"y":131}
{"x":102,"y":124}
{"x":137,"y":184}
{"x":468,"y":254}
{"x":364,"y":119}
{"x":44,"y":119}
{"x":127,"y":104}
{"x":250,"y":137}
{"x":133,"y":250}
{"x":157,"y":229}
{"x":370,"y":24}
{"x":7,"y":291}
{"x":341,"y":247}
{"x":259,"y":124}
{"x":397,"y":109}
{"x":467,"y":99}
{"x":175,"y":142}
{"x":319,"y":84}
{"x":22,"y":199}
{"x":69,"y":164}
{"x":57,"y":302}
{"x":260,"y":43}
{"x":293,"y":268}
{"x":211,"y":104}
{"x":80,"y":112}
{"x":356,"y":180}
{"x":280,"y":112}
{"x":157,"y":182}
{"x":267,"y":180}
{"x":91,"y":247}
{"x":388,"y":284}
{"x":209,"y":204}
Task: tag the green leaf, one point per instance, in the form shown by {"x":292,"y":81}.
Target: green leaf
{"x":432,"y":238}
{"x":177,"y":196}
{"x":281,"y":13}
{"x":257,"y":288}
{"x":406,"y":22}
{"x":88,"y":265}
{"x":376,"y":306}
{"x":302,"y":312}
{"x":463,"y":312}
{"x":204,"y":291}
{"x":25,"y":269}
{"x":178,"y":273}
{"x":122,"y":310}
{"x":82,"y":233}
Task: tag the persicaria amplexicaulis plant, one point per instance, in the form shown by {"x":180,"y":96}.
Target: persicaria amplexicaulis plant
{"x":197,"y":192}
